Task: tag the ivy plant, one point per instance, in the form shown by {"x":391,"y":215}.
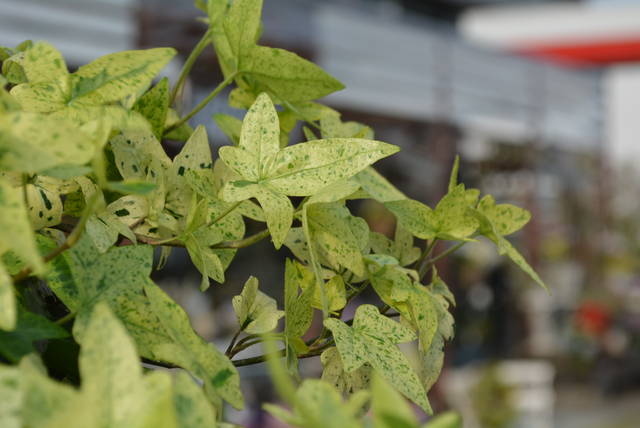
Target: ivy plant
{"x":88,"y":196}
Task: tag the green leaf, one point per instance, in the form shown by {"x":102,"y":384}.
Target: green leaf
{"x":297,"y":307}
{"x":256,"y":312}
{"x":288,"y":76}
{"x":241,"y":26}
{"x":219,"y":375}
{"x":112,"y":380}
{"x":497,"y":220}
{"x":332,"y":228}
{"x":372,"y":340}
{"x":347,"y":382}
{"x":305,"y":168}
{"x":504,"y":218}
{"x":192,"y":408}
{"x":32,"y":142}
{"x":7,"y":302}
{"x":334,"y":291}
{"x":10,"y":397}
{"x":136,"y":187}
{"x":153,"y":105}
{"x":445,"y":420}
{"x":376,"y":186}
{"x":389,"y":409}
{"x":15,"y":231}
{"x":43,"y":63}
{"x":319,"y":405}
{"x":231,"y":126}
{"x":452,"y":219}
{"x":112,"y":77}
{"x":29,"y":328}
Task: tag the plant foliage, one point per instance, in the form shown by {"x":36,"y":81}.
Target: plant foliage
{"x":87,"y":194}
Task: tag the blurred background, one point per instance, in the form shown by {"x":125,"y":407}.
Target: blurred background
{"x":540,"y":99}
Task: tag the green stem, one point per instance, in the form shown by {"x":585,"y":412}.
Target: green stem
{"x":242,"y":243}
{"x":440,"y":256}
{"x":202,"y":103}
{"x":232,"y":343}
{"x":65,"y":319}
{"x":419,"y":264}
{"x":71,"y":240}
{"x":188,"y":65}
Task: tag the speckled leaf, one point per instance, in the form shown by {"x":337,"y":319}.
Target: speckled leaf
{"x":305,"y":168}
{"x":346,"y":382}
{"x":494,"y":219}
{"x":42,"y":97}
{"x":319,"y":405}
{"x":297,"y":307}
{"x":114,"y":76}
{"x":15,"y":230}
{"x":505,"y":218}
{"x":452,"y":218}
{"x":29,"y":328}
{"x":390,"y":410}
{"x":45,"y":206}
{"x":334,"y":291}
{"x":139,"y":156}
{"x":113,"y":385}
{"x":219,"y":375}
{"x":230,"y":125}
{"x":256,"y":312}
{"x":153,"y":105}
{"x":182,"y":132}
{"x":333,"y":127}
{"x":46,"y":403}
{"x":277,"y":208}
{"x":331,"y":231}
{"x":10,"y":397}
{"x":289,"y":76}
{"x":259,"y":141}
{"x":7,"y":301}
{"x":42,"y":62}
{"x":372,"y":339}
{"x":376,"y":186}
{"x":32,"y":142}
{"x":192,"y":408}
{"x":241,"y":26}
{"x":130,"y":209}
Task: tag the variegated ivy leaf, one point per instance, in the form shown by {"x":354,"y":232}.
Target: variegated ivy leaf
{"x":7,"y":301}
{"x":113,"y":385}
{"x":270,"y":174}
{"x":372,"y":340}
{"x":338,"y":235}
{"x":390,"y":409}
{"x":504,"y":219}
{"x":297,"y":306}
{"x":346,"y":382}
{"x":242,"y":27}
{"x":32,"y":143}
{"x":115,"y":76}
{"x":15,"y":231}
{"x":10,"y":396}
{"x":319,"y":405}
{"x":257,"y":313}
{"x":375,"y":186}
{"x":45,"y":205}
{"x":498,"y":220}
{"x":452,"y":218}
{"x":42,"y":62}
{"x":401,"y":248}
{"x":192,"y":408}
{"x":219,"y":375}
{"x":335,"y":293}
{"x":432,"y":358}
{"x":445,"y":420}
{"x":153,"y":105}
{"x":333,"y":127}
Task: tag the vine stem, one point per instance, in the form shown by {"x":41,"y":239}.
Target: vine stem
{"x":262,"y":358}
{"x":202,"y":103}
{"x":188,"y":65}
{"x":226,"y":245}
{"x":65,"y":319}
{"x":425,"y":268}
{"x":420,"y":263}
{"x":71,"y":240}
{"x":229,"y":350}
